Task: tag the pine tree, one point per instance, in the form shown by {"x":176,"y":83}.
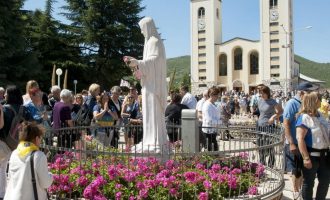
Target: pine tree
{"x":17,"y":60}
{"x":106,"y":31}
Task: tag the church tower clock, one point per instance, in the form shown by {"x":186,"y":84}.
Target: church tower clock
{"x":277,"y":44}
{"x":206,"y":32}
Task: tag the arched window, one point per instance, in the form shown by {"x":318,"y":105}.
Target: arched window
{"x":201,"y":12}
{"x":223,"y":65}
{"x":238,"y":53}
{"x":254,"y":63}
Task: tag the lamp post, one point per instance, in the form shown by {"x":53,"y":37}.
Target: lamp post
{"x":288,"y":48}
{"x":75,"y":86}
{"x":59,"y":73}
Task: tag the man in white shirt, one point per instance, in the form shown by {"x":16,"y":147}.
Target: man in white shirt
{"x":187,"y":98}
{"x":200,"y":103}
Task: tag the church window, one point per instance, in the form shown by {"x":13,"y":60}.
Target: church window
{"x":272,"y":3}
{"x":254,"y":63}
{"x":201,"y":78}
{"x":223,"y":65}
{"x":274,"y":32}
{"x":217,"y":13}
{"x":273,"y":24}
{"x":238,"y":54}
{"x":201,"y":12}
{"x":274,"y":41}
{"x":274,"y":58}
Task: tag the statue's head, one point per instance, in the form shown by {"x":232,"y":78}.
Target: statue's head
{"x":148,"y":28}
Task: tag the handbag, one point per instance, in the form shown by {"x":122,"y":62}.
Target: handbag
{"x":4,"y":150}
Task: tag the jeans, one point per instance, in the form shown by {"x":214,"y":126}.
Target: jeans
{"x":322,"y":169}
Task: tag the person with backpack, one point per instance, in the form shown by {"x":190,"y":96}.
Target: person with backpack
{"x":28,"y":175}
{"x":14,"y":100}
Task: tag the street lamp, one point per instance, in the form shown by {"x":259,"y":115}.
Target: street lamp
{"x":75,"y":86}
{"x":59,"y":73}
{"x":288,"y":48}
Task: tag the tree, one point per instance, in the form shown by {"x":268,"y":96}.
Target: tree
{"x":17,"y":60}
{"x":49,"y":40}
{"x":107,"y":30}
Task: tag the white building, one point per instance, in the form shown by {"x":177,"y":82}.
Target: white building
{"x":241,"y":63}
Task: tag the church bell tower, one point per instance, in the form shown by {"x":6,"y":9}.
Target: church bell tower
{"x":206,"y":32}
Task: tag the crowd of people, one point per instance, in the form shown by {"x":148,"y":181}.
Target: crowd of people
{"x":304,"y":117}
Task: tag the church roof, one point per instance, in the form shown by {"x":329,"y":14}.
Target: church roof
{"x":238,"y":38}
{"x":309,"y":79}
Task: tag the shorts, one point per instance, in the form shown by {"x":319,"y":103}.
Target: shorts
{"x":293,"y":163}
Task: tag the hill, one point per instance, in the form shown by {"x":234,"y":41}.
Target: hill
{"x":309,"y":68}
{"x":320,"y":71}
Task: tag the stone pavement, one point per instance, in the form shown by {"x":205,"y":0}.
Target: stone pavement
{"x":287,"y":193}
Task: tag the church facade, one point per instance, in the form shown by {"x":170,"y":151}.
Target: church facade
{"x":241,"y":64}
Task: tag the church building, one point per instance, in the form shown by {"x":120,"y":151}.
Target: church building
{"x":241,"y":64}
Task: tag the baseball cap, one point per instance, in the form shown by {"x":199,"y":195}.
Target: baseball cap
{"x":306,"y":86}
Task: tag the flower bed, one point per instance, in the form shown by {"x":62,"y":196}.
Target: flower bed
{"x":115,"y":177}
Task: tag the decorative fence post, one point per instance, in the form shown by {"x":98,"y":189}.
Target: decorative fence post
{"x":190,"y":131}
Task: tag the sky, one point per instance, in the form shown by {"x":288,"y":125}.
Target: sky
{"x":240,"y":19}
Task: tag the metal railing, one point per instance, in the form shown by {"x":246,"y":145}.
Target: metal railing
{"x":248,"y":163}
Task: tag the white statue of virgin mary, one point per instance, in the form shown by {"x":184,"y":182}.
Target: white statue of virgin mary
{"x":152,"y":70}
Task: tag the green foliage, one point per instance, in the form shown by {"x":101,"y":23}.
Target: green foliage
{"x":107,"y":30}
{"x":17,"y":60}
{"x":315,"y":70}
{"x":307,"y":67}
{"x":181,"y":66}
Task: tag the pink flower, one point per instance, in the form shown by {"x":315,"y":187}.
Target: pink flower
{"x":118,"y":186}
{"x":118,"y":195}
{"x":253,"y":190}
{"x":170,"y":164}
{"x":200,"y":166}
{"x":216,"y":167}
{"x":191,"y":177}
{"x":236,"y":171}
{"x":112,"y":172}
{"x":173,"y":192}
{"x":82,"y":181}
{"x":203,"y":196}
{"x":140,"y":185}
{"x":143,"y":193}
{"x":99,"y":197}
{"x":260,"y":170}
{"x":232,"y":182}
{"x":207,"y":184}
